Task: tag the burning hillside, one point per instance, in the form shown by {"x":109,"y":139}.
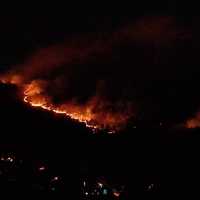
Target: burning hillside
{"x":100,"y":79}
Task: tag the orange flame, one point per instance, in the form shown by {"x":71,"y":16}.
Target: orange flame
{"x":193,"y":122}
{"x":36,"y":75}
{"x":92,"y":114}
{"x":33,"y":97}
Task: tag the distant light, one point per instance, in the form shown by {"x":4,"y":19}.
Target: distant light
{"x":111,"y":132}
{"x":105,"y":192}
{"x":10,"y":159}
{"x":84,"y":183}
{"x":150,"y":187}
{"x":55,"y":178}
{"x":134,"y":126}
{"x":42,"y":168}
{"x":100,"y":185}
{"x":117,"y":194}
{"x":53,"y":188}
{"x":86,"y":193}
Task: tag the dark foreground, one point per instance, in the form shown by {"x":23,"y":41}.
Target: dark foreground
{"x":43,"y":153}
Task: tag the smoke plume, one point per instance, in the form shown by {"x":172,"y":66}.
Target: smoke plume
{"x":91,"y":78}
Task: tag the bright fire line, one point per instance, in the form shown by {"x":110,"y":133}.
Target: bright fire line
{"x":74,"y":116}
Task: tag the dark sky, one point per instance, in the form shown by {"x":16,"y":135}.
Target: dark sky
{"x":21,"y":34}
{"x":35,"y":26}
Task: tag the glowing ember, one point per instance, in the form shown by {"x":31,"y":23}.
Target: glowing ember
{"x":193,"y":122}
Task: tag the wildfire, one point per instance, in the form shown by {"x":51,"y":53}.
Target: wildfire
{"x":30,"y":97}
{"x":193,"y":122}
{"x":44,"y":74}
{"x":92,"y":114}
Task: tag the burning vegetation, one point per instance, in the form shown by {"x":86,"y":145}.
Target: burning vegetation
{"x":85,"y":80}
{"x":48,"y":80}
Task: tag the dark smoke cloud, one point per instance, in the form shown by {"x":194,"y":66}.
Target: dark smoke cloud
{"x":116,"y":66}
